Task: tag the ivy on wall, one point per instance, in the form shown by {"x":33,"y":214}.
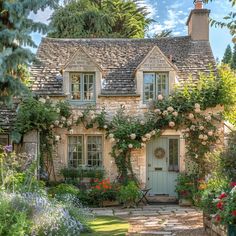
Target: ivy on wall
{"x":182,"y":110}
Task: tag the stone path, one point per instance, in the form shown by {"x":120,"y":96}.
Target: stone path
{"x":165,"y":220}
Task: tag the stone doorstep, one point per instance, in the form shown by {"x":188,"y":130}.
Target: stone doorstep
{"x":155,"y":233}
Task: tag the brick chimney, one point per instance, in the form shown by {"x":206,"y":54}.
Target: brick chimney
{"x":198,"y":22}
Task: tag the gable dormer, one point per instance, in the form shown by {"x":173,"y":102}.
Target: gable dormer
{"x":82,"y":78}
{"x":155,"y":75}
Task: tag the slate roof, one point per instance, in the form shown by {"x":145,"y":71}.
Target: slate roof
{"x":119,"y":58}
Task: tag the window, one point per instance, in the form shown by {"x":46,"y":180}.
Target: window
{"x":155,"y":84}
{"x":82,"y":86}
{"x":4,"y":140}
{"x":173,"y":154}
{"x":85,"y":150}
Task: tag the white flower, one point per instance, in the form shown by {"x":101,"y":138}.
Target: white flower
{"x":150,"y":99}
{"x":133,"y":136}
{"x":111,"y":135}
{"x":142,"y":122}
{"x":79,"y":114}
{"x":57,"y":138}
{"x":192,"y":127}
{"x":175,"y":113}
{"x":191,"y":116}
{"x":186,"y":135}
{"x":105,"y":126}
{"x":157,"y":111}
{"x":205,"y":137}
{"x":210,"y":133}
{"x":171,"y":124}
{"x":63,"y":118}
{"x":56,"y":122}
{"x":201,"y":127}
{"x":208,"y":118}
{"x":58,"y":110}
{"x":218,"y":141}
{"x":71,"y":131}
{"x":61,"y":126}
{"x":69,"y":123}
{"x":153,"y":132}
{"x":204,"y":143}
{"x":170,"y":109}
{"x":51,"y":126}
{"x":187,"y":130}
{"x":112,"y":140}
{"x":148,"y":136}
{"x":130,"y":145}
{"x":42,"y":100}
{"x":197,"y":106}
{"x":143,"y":145}
{"x":165,"y":113}
{"x":144,"y":139}
{"x":47,"y":97}
{"x":159,"y":97}
{"x":197,"y":110}
{"x":91,"y":112}
{"x":201,"y":136}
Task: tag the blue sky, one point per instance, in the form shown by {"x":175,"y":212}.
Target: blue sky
{"x":172,"y":15}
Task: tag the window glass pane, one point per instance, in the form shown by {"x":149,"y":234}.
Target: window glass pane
{"x":174,"y":154}
{"x":3,"y":140}
{"x":162,"y":84}
{"x":94,"y":149}
{"x":89,"y":87}
{"x":76,"y":86}
{"x":75,"y":151}
{"x":149,"y":85}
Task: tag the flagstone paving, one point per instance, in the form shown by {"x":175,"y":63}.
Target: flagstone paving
{"x":165,"y":220}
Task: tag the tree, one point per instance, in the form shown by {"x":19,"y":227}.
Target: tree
{"x":163,"y":34}
{"x":227,"y":55}
{"x":15,"y":29}
{"x":100,"y":18}
{"x":233,"y":62}
{"x":229,"y":21}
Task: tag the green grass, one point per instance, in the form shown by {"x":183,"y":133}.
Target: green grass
{"x":107,"y":225}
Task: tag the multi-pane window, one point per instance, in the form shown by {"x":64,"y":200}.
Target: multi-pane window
{"x":173,"y":154}
{"x":155,"y":84}
{"x":82,"y":86}
{"x":85,"y":150}
{"x":4,"y":140}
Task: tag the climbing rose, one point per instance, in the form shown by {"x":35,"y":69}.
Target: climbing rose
{"x":105,"y":126}
{"x":165,"y":113}
{"x":205,"y":137}
{"x":148,"y":136}
{"x":210,"y":133}
{"x":112,"y":140}
{"x":144,"y":139}
{"x":111,"y":136}
{"x":175,"y":113}
{"x":204,"y":143}
{"x":143,"y":145}
{"x":232,"y":184}
{"x":157,"y":111}
{"x":197,"y":110}
{"x":192,"y":127}
{"x":201,"y":127}
{"x":191,"y":116}
{"x":42,"y":100}
{"x":171,"y":124}
{"x":170,"y":109}
{"x":197,"y":106}
{"x":153,"y":132}
{"x":208,"y":118}
{"x":133,"y":136}
{"x":234,"y":213}
{"x":130,"y":145}
{"x":217,"y":218}
{"x":200,"y":136}
{"x":142,"y":122}
{"x":159,"y":97}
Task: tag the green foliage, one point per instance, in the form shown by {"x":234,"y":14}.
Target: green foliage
{"x":62,"y":189}
{"x":227,"y":55}
{"x":233,"y":61}
{"x":16,"y":29}
{"x":97,"y":19}
{"x":129,"y":194}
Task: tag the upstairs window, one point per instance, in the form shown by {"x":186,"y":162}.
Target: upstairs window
{"x":82,"y":87}
{"x":155,"y":84}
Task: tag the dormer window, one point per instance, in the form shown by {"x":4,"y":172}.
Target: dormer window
{"x":155,"y":83}
{"x":82,"y":86}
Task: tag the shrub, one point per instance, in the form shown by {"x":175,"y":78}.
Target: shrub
{"x":62,"y":189}
{"x":129,"y":194}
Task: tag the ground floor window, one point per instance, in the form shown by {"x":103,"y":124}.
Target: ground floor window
{"x":4,"y":140}
{"x":85,"y":150}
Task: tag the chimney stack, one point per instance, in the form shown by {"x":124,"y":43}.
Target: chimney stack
{"x":198,"y":22}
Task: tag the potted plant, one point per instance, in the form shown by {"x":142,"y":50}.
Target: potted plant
{"x":185,"y":189}
{"x":226,"y":213}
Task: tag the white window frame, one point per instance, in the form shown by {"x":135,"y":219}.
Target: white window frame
{"x":85,"y":150}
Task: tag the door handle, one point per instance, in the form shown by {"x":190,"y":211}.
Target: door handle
{"x":158,"y":168}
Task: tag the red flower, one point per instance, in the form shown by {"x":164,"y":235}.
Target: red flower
{"x":220,"y":205}
{"x":232,"y":184}
{"x":234,"y":213}
{"x":217,"y":218}
{"x":223,"y":195}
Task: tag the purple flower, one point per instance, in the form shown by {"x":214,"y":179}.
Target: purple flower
{"x":8,"y":148}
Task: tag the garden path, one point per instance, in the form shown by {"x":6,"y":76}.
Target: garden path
{"x":165,"y":220}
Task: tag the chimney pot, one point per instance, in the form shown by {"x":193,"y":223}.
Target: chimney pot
{"x":198,"y":4}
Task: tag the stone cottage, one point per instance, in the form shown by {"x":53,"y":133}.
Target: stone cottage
{"x":113,"y":72}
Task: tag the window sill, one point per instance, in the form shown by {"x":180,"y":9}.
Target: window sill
{"x":81,"y":103}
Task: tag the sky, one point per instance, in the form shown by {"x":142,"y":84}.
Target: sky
{"x":172,"y":15}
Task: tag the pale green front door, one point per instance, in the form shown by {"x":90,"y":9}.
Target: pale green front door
{"x":163,"y":165}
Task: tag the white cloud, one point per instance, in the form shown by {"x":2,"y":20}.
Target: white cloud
{"x":150,"y":8}
{"x":42,"y":16}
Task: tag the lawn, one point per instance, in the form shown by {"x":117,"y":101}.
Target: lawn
{"x":108,"y":225}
